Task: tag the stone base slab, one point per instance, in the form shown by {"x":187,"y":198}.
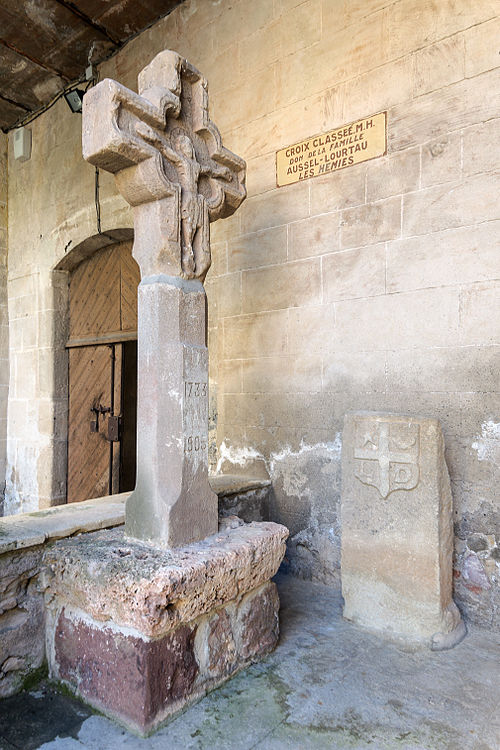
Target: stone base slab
{"x":138,"y":633}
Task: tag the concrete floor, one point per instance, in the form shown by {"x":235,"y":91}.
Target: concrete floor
{"x":327,"y":685}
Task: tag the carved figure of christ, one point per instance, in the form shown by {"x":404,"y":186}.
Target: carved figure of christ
{"x":194,"y":214}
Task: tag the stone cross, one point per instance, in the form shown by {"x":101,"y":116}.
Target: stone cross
{"x":171,"y":167}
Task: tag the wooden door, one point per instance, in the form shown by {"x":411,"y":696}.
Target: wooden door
{"x":94,"y":399}
{"x":102,"y":374}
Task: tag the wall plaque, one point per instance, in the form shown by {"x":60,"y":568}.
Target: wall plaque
{"x":342,"y":147}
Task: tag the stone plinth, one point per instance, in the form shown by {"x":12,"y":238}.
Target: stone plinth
{"x":139,"y":633}
{"x":173,"y":503}
{"x":397,"y":531}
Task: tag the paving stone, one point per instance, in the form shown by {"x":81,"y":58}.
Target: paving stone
{"x":328,"y":684}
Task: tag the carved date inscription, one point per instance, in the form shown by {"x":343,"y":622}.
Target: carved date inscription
{"x":194,"y":443}
{"x":193,"y":389}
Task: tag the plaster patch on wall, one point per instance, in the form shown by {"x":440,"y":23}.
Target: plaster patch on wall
{"x":333,"y":448}
{"x":487,"y":444}
{"x":304,"y":474}
{"x":242,"y":456}
{"x":236,"y":456}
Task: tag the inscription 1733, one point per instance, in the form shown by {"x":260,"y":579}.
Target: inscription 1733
{"x":342,"y":147}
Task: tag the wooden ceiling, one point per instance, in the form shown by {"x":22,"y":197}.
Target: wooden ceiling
{"x":47,"y":44}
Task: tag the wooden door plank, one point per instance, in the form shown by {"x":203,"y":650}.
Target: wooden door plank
{"x":130,"y":278}
{"x":103,"y":309}
{"x":88,"y":452}
{"x":117,"y":410}
{"x":95,"y":295}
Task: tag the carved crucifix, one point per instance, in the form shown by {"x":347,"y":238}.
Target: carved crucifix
{"x":168,"y":160}
{"x":171,"y":167}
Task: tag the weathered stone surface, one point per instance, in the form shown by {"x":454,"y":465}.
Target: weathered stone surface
{"x":242,"y":496}
{"x":22,"y":618}
{"x":173,"y":503}
{"x":221,"y":646}
{"x":234,"y":484}
{"x":168,"y":161}
{"x":397,"y":538}
{"x":170,"y":165}
{"x":23,"y":539}
{"x":257,"y":623}
{"x":132,"y":678}
{"x":32,"y":529}
{"x":139,"y":632}
{"x":141,"y":681}
{"x":153,"y":591}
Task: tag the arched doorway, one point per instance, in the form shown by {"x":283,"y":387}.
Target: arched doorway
{"x":102,"y":374}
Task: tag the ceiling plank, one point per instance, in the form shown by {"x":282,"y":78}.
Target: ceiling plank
{"x":10,"y":112}
{"x":83,"y":16}
{"x":49,"y":32}
{"x":124,"y":18}
{"x":25,"y":82}
{"x":46,"y":67}
{"x":46,"y":44}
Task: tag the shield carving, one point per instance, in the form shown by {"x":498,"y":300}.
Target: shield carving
{"x":386,"y":454}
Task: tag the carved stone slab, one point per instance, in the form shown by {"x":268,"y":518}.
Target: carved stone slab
{"x":386,"y":455}
{"x":397,"y":532}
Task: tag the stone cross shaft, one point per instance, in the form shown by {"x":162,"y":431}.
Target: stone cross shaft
{"x":171,"y":167}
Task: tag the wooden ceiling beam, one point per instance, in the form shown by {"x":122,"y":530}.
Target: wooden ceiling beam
{"x":93,"y":24}
{"x":55,"y":40}
{"x":32,"y":59}
{"x":14,"y":104}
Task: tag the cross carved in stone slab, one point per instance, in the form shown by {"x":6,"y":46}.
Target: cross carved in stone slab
{"x":397,"y":463}
{"x":168,"y":160}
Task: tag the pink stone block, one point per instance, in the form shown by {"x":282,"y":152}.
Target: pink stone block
{"x":139,"y":633}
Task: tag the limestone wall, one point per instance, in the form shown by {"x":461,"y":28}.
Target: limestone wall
{"x":4,"y":326}
{"x":52,"y":212}
{"x":371,"y":288}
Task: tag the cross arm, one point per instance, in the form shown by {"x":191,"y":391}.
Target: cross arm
{"x":110,"y":116}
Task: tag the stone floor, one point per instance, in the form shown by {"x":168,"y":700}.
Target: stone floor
{"x":327,"y":685}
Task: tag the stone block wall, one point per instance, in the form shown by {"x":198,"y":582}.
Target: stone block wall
{"x":24,"y":540}
{"x":22,"y":618}
{"x":371,"y":288}
{"x":4,"y":320}
{"x":52,"y":213}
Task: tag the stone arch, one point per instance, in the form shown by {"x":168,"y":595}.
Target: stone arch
{"x":90,"y":245}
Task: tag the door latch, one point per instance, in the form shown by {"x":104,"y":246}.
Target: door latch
{"x":97,"y":409}
{"x":114,"y":424}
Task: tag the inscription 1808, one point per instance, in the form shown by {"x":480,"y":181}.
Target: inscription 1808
{"x":336,"y":149}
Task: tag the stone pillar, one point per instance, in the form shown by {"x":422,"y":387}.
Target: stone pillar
{"x":172,"y":503}
{"x":397,"y":530}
